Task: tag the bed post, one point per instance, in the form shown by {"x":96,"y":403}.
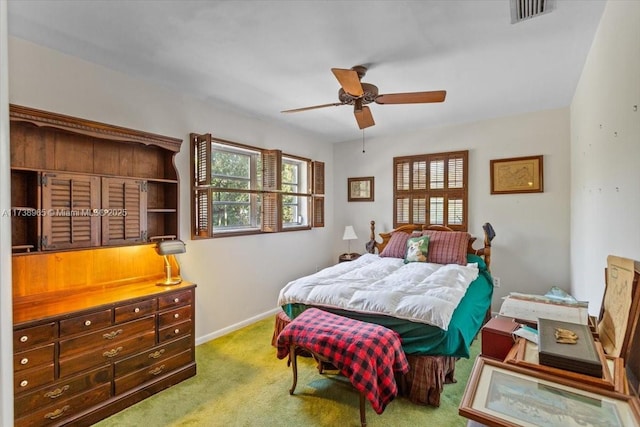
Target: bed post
{"x":371,"y":244}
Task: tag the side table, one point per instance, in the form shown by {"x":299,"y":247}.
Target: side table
{"x":348,"y":257}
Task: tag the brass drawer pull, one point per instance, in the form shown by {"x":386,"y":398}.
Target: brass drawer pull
{"x":24,"y":383}
{"x":87,"y":323}
{"x":53,"y":394}
{"x":112,"y":353}
{"x":156,"y":354}
{"x":24,"y":338}
{"x":57,"y":413}
{"x":24,"y":361}
{"x":157,"y":370}
{"x":112,"y":335}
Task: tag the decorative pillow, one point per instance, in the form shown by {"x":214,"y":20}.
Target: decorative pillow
{"x":397,"y":245}
{"x":417,"y":249}
{"x":447,"y":247}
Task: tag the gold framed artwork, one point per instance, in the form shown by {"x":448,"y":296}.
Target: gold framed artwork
{"x":516,"y":175}
{"x":360,"y":189}
{"x":503,"y":395}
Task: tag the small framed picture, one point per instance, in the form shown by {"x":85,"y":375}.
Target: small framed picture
{"x":516,"y":175}
{"x":503,"y":395}
{"x":360,"y":189}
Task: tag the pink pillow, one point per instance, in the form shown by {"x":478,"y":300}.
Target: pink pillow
{"x":447,"y":247}
{"x":397,"y":245}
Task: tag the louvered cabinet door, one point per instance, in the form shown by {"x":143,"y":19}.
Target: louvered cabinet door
{"x":123,"y":211}
{"x":69,"y":203}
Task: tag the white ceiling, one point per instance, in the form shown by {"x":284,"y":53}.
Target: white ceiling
{"x":261,"y":57}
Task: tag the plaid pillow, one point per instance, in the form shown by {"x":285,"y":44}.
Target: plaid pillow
{"x":447,"y":247}
{"x":397,"y":245}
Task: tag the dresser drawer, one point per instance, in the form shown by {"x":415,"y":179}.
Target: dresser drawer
{"x":149,"y":373}
{"x":61,"y":390}
{"x":134,"y":311}
{"x":106,"y":354}
{"x":33,"y":358}
{"x":32,"y":378}
{"x":175,"y":299}
{"x":30,"y":337}
{"x":174,"y":331}
{"x":56,"y":413}
{"x":151,"y":356}
{"x":174,"y":316}
{"x":106,"y":337}
{"x":86,"y":323}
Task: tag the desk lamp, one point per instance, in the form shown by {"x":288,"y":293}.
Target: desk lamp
{"x":349,"y":235}
{"x":166,"y":248}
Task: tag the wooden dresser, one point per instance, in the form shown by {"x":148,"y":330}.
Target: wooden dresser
{"x":88,"y":356}
{"x":93,"y":333}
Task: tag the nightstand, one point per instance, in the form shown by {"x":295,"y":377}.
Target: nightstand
{"x":348,"y":257}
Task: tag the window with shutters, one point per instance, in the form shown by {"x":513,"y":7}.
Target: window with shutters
{"x":431,"y":189}
{"x":239,"y":189}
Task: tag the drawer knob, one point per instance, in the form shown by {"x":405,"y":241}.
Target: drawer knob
{"x":176,"y":300}
{"x":112,"y":335}
{"x":24,"y":383}
{"x":176,"y":331}
{"x":175,"y":316}
{"x":87,"y":323}
{"x":57,"y":392}
{"x":24,"y":361}
{"x":136,"y":310}
{"x":24,"y":338}
{"x":57,"y":413}
{"x":156,"y":354}
{"x":157,"y":371}
{"x":112,"y":353}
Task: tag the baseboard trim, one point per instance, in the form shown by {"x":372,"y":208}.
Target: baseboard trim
{"x":224,"y":331}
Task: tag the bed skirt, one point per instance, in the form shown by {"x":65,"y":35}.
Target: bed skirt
{"x":425,"y":380}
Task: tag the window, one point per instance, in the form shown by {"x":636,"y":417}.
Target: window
{"x":431,"y":189}
{"x":238,"y":189}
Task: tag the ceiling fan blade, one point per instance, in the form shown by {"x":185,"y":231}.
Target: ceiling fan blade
{"x":412,"y":97}
{"x":364,"y":117}
{"x":349,"y":81}
{"x":296,"y":110}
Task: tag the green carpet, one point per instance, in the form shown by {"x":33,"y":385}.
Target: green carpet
{"x":240,"y":382}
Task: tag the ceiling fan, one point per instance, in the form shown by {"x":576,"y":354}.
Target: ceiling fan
{"x":359,"y":94}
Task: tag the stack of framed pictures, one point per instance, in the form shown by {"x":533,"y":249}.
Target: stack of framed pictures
{"x":505,"y":395}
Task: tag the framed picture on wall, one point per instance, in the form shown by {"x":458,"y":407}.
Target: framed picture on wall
{"x":516,"y":175}
{"x":360,"y":189}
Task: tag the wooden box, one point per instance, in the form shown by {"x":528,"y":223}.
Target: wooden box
{"x":498,"y":338}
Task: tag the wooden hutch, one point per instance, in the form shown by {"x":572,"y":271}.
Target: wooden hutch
{"x":93,"y":333}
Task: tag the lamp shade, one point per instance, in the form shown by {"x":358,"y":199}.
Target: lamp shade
{"x":171,"y":247}
{"x":349,"y":233}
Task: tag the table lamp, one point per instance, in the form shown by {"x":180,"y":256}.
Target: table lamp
{"x":166,"y":248}
{"x":349,"y":235}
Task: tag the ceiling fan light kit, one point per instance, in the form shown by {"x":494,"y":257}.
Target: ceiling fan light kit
{"x":357,"y":93}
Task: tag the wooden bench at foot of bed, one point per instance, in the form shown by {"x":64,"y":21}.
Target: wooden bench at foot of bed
{"x":424,"y":382}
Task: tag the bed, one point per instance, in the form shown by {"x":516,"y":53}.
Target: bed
{"x":428,"y":284}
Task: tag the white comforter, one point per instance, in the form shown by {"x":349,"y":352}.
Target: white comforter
{"x":418,"y":291}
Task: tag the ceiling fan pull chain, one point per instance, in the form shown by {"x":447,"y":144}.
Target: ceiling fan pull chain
{"x":363,"y":140}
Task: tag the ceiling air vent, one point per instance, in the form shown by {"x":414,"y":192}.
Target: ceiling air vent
{"x":526,"y":9}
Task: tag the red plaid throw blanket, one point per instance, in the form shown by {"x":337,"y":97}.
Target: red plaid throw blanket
{"x":365,"y":353}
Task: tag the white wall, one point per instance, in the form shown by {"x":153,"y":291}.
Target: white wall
{"x":6,"y":321}
{"x":238,"y":278}
{"x":531,"y":249}
{"x":605,"y":151}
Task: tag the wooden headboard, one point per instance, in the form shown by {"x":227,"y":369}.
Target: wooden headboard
{"x":485,"y":251}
